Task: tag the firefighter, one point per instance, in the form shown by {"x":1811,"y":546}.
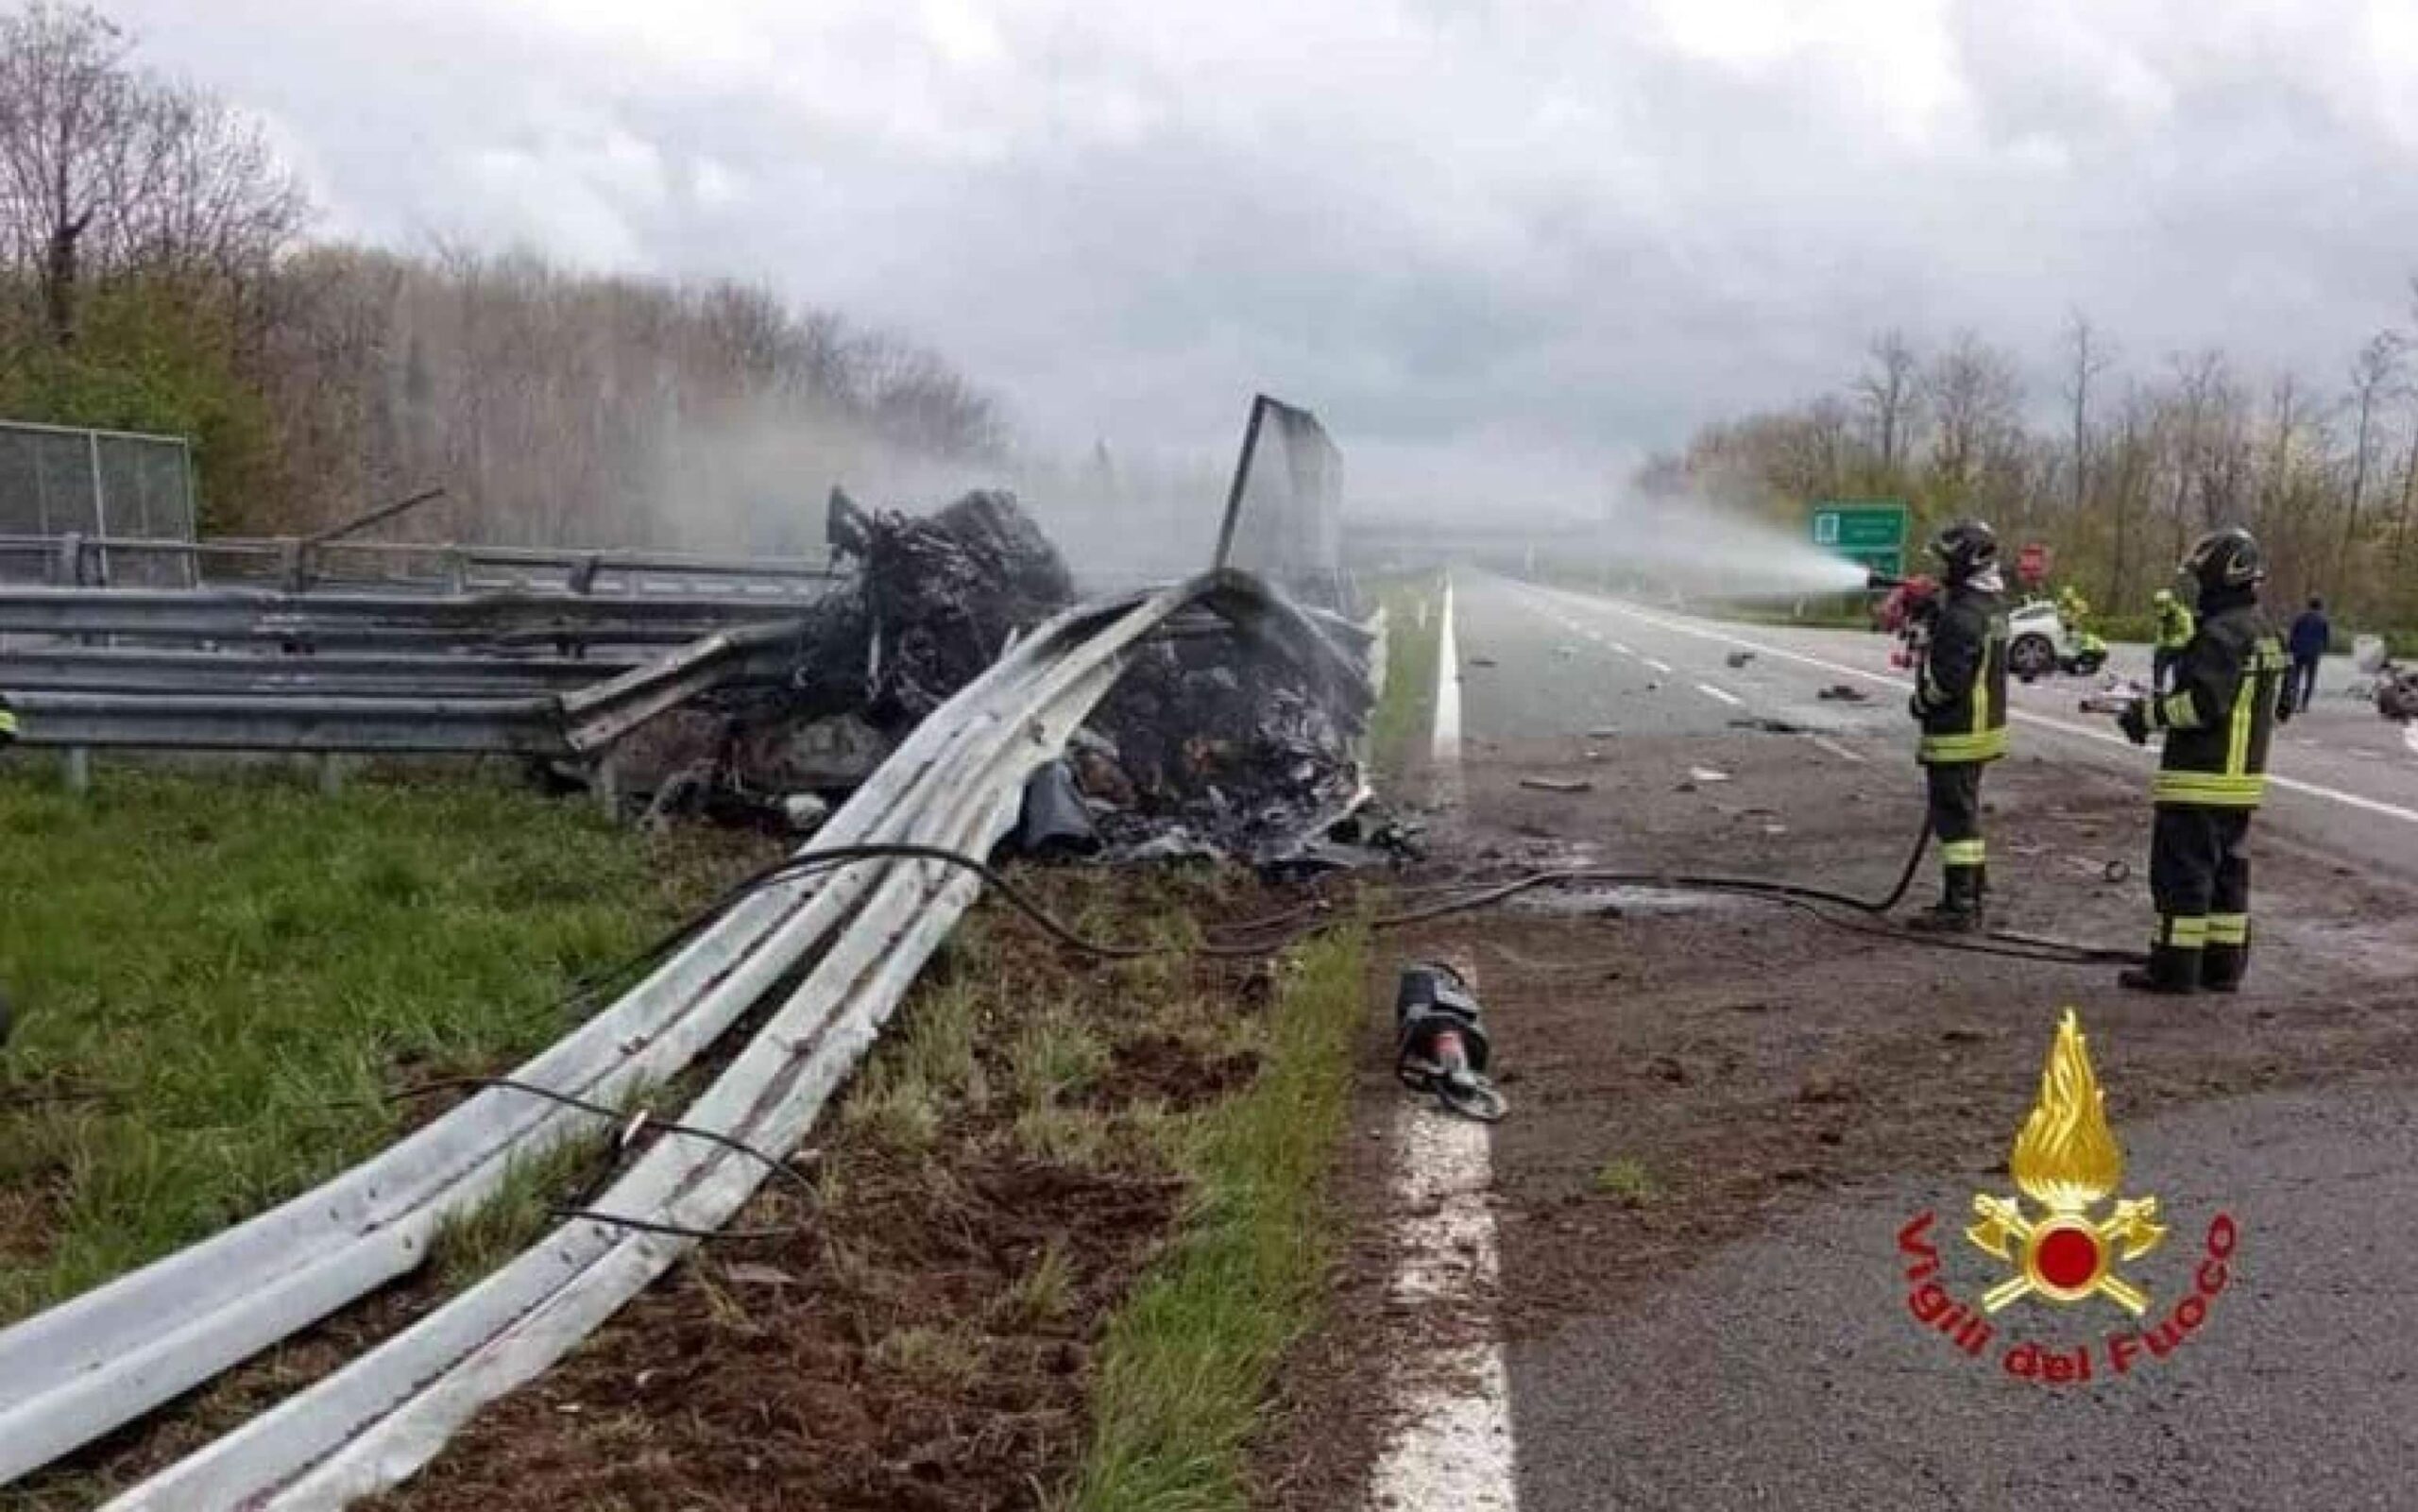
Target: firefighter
{"x":2228,"y":684}
{"x":2174,"y":634}
{"x":1960,"y":701}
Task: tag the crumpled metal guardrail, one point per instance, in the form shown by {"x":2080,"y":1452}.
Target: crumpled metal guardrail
{"x":100,"y":1360}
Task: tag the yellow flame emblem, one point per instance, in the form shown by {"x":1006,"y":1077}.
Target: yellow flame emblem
{"x":2067,"y":1160}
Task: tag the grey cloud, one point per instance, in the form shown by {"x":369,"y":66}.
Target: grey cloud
{"x":1552,"y":234}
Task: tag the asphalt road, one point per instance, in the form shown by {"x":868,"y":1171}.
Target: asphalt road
{"x":1785,"y":1371}
{"x":2344,"y":776}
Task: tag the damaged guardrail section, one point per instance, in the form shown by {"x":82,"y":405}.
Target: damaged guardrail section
{"x":867,"y":927}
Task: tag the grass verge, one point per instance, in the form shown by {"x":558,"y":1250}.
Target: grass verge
{"x":1189,"y":1358}
{"x":1404,"y":715}
{"x":216,"y":978}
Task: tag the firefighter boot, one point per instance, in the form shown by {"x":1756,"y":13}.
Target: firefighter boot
{"x":1959,"y":909}
{"x":2171,"y":970}
{"x":2222,"y":968}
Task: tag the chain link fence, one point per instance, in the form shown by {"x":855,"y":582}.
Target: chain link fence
{"x":57,"y":482}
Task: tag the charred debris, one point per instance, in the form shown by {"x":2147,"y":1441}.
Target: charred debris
{"x":1216,"y":743}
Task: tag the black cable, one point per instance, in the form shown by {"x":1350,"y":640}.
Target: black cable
{"x":810,"y":862}
{"x":674,"y":1229}
{"x":713,"y":1136}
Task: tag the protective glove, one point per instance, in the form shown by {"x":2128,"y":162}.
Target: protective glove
{"x":1915,"y":706}
{"x":2284,"y":707}
{"x":2135,"y":722}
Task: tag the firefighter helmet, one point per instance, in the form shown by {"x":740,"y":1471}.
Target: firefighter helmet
{"x":2228,"y":559}
{"x":1964,"y":548}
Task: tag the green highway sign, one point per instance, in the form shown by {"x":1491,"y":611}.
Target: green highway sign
{"x":1871,"y":531}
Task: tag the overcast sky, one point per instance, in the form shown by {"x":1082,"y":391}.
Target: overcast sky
{"x":1468,"y":233}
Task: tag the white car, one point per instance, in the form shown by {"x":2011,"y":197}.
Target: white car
{"x":2036,"y":644}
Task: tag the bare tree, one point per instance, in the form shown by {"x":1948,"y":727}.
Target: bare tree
{"x":105,"y":168}
{"x":1976,"y":404}
{"x":2372,"y":373}
{"x":1889,"y":391}
{"x":2086,"y":357}
{"x":66,"y":107}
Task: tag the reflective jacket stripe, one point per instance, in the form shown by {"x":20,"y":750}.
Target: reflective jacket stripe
{"x":1949,"y":749}
{"x":2209,"y":789}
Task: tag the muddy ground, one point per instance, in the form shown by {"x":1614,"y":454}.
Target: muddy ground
{"x":972,"y":1213}
{"x":1685,"y":1072}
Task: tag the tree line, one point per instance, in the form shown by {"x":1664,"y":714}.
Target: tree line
{"x":2137,"y":463}
{"x":157,"y":273}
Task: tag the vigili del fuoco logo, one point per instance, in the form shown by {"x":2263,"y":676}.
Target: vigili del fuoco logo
{"x":2068,"y":1245}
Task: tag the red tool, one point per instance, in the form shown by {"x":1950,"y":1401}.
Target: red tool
{"x":1908,"y":613}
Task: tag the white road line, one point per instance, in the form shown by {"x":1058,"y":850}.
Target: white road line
{"x":2080,"y":732}
{"x":1728,"y":698}
{"x":1446,"y":747}
{"x":1825,"y":742}
{"x":1662,"y":667}
{"x":1453,"y":1451}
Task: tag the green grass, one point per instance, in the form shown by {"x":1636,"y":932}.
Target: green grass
{"x":217,"y":976}
{"x":1408,"y":712}
{"x":1627,"y":1180}
{"x":1189,"y":1358}
{"x":469,"y":1245}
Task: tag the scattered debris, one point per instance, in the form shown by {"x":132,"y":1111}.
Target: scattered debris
{"x":1481,"y":661}
{"x":1558,"y":784}
{"x":1215,"y":742}
{"x":1844,"y":693}
{"x":1216,"y":745}
{"x":1707,"y":774}
{"x":1056,"y":822}
{"x":2397,"y":694}
{"x":1765,"y":724}
{"x":1607,"y":733}
{"x":1739,"y":659}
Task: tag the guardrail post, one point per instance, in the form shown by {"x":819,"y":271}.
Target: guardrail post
{"x":77,"y":769}
{"x":332,"y":771}
{"x":293,"y":569}
{"x":605,"y":781}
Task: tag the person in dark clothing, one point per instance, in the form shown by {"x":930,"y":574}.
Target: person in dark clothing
{"x":2218,"y":721}
{"x":2312,"y":634}
{"x":1960,"y":701}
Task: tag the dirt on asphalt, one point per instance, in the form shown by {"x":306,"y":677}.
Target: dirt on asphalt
{"x":1684,"y":1069}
